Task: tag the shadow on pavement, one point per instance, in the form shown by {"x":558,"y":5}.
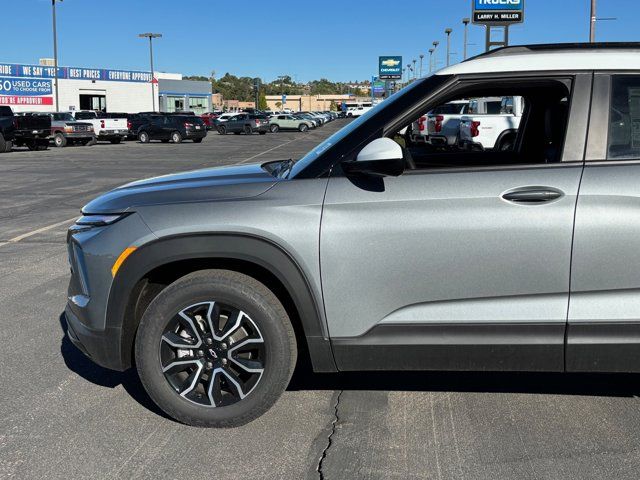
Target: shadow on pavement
{"x":78,"y":363}
{"x":589,"y":384}
{"x":605,"y":385}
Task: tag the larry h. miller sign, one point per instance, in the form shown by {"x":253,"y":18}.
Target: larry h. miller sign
{"x":390,"y":68}
{"x":498,"y":12}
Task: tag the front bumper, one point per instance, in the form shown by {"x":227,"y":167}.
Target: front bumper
{"x":92,"y":252}
{"x":79,"y":135}
{"x":101,"y":346}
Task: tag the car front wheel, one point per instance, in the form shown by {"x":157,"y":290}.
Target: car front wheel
{"x":215,"y":349}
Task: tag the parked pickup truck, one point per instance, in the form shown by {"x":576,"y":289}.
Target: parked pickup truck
{"x":25,"y":129}
{"x":65,"y":130}
{"x":113,"y":130}
{"x":441,"y":126}
{"x":488,"y":127}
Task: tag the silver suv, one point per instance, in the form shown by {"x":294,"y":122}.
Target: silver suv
{"x":371,"y":254}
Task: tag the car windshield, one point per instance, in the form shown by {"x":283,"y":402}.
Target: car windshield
{"x":348,"y":129}
{"x":63,"y":117}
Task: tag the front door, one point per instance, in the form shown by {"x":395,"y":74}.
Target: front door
{"x":458,"y":266}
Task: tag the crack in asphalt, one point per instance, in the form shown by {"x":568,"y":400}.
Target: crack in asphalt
{"x":329,"y":437}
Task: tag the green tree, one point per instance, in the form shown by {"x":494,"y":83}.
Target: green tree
{"x":262,"y":101}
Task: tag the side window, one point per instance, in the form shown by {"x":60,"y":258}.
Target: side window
{"x":491,"y":129}
{"x":281,"y":117}
{"x":624,"y":118}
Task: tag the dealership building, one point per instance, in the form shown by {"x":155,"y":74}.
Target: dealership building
{"x":31,"y":88}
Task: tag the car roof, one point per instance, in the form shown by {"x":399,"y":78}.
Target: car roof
{"x":552,"y":57}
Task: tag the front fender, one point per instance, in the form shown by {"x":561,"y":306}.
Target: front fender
{"x":242,"y":247}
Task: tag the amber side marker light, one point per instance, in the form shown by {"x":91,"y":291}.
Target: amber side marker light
{"x":123,"y":256}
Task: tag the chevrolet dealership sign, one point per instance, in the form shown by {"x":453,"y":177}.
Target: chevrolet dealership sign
{"x":390,"y":68}
{"x":498,"y":12}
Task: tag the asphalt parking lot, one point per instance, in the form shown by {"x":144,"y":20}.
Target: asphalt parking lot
{"x":63,"y":417}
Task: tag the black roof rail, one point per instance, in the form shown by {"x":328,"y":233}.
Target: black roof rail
{"x":555,"y":47}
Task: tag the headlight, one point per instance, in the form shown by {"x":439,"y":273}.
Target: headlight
{"x":100,"y":220}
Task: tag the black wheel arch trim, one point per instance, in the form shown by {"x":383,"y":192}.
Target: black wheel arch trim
{"x":227,"y":246}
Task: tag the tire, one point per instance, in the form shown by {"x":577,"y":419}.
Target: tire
{"x":3,"y":144}
{"x":222,"y":130}
{"x":274,"y":128}
{"x":184,"y":391}
{"x":247,"y":130}
{"x":197,"y":140}
{"x":506,"y":144}
{"x":176,"y":137}
{"x":303,"y":127}
{"x":59,"y":140}
{"x":144,"y":137}
{"x":8,"y":146}
{"x":115,"y":141}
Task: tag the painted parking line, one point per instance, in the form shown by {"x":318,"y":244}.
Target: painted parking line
{"x":267,"y":151}
{"x":39,"y":230}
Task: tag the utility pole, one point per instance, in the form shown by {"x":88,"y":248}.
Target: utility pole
{"x":448,"y":32}
{"x":431,"y":50}
{"x":151,"y":36}
{"x":466,"y":22}
{"x":421,"y":57}
{"x":592,"y":24}
{"x":55,"y":53}
{"x":435,"y":55}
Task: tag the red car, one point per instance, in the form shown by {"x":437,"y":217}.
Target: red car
{"x":208,"y":119}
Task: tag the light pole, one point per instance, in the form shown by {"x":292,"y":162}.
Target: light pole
{"x":466,"y":22}
{"x":55,"y":52}
{"x":415,"y":72}
{"x":431,"y":50}
{"x":421,"y":57}
{"x":151,"y":36}
{"x":592,"y":26}
{"x":448,"y":32}
{"x":435,"y":54}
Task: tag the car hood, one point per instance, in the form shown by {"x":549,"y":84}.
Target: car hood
{"x":221,"y":183}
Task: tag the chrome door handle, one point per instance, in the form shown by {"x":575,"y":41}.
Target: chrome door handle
{"x":532,"y":195}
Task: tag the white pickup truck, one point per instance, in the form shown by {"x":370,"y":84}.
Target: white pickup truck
{"x":440,"y":127}
{"x":113,"y":130}
{"x":492,"y":124}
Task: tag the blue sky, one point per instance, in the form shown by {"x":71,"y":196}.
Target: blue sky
{"x":339,"y":40}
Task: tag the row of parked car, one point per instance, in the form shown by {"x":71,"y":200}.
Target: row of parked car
{"x":488,"y":123}
{"x":38,"y":130}
{"x":267,"y":121}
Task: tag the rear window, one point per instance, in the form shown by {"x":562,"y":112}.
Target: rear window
{"x":85,"y":115}
{"x":448,"y":109}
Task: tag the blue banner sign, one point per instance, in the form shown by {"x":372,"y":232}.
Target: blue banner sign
{"x":500,"y":12}
{"x":25,"y":87}
{"x":390,"y":68}
{"x":74,"y":73}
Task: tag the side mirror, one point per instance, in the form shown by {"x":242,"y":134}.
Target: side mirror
{"x":382,"y":157}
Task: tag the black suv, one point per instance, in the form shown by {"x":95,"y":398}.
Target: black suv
{"x":174,"y":128}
